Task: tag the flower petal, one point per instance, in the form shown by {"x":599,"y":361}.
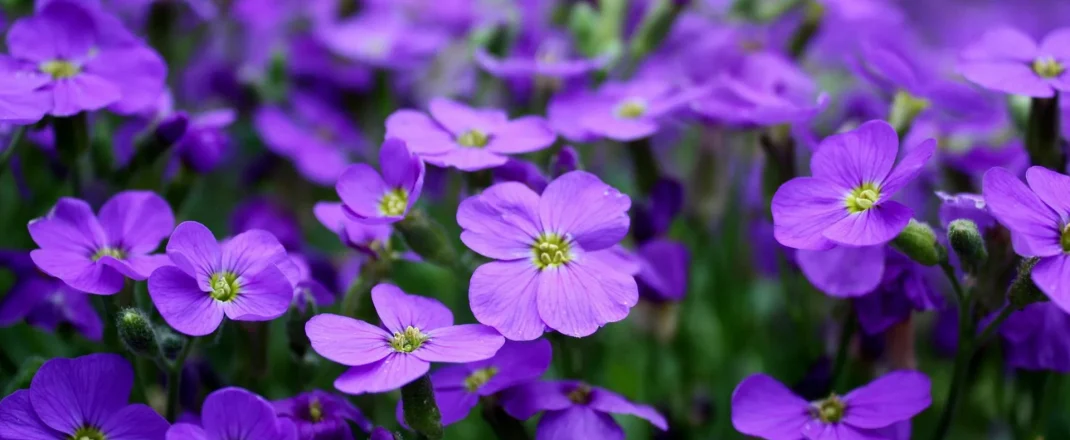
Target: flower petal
{"x":135,"y":422}
{"x":502,"y":222}
{"x":401,"y":168}
{"x":422,"y":135}
{"x":137,"y":221}
{"x":262,"y":296}
{"x":580,"y":205}
{"x":467,"y":159}
{"x":186,"y":431}
{"x":610,"y":402}
{"x":460,"y":343}
{"x":69,"y":226}
{"x":803,"y":208}
{"x":526,"y":400}
{"x":229,"y":411}
{"x":863,"y":155}
{"x":360,"y":187}
{"x":138,"y":72}
{"x":503,"y":295}
{"x":877,"y":225}
{"x":1056,"y":44}
{"x":459,"y":118}
{"x":193,"y":248}
{"x":763,"y":407}
{"x":82,"y":92}
{"x":908,"y":168}
{"x":1051,"y":275}
{"x":1031,"y":221}
{"x":517,"y":362}
{"x":1052,"y":188}
{"x":578,"y":298}
{"x":18,"y":419}
{"x":70,"y":393}
{"x":182,"y":303}
{"x":346,"y":340}
{"x":251,"y":252}
{"x":78,"y":271}
{"x":843,"y":271}
{"x":1007,"y":76}
{"x":1002,"y":44}
{"x":894,"y":397}
{"x":523,"y":135}
{"x":387,"y":374}
{"x":399,"y":310}
{"x":59,"y":30}
{"x":578,"y":422}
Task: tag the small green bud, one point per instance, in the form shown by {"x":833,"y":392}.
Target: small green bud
{"x":918,"y":241}
{"x":137,"y":333}
{"x":171,"y":343}
{"x":968,"y":244}
{"x":427,"y":238}
{"x":1024,"y":291}
{"x":421,"y":411}
{"x":25,"y":374}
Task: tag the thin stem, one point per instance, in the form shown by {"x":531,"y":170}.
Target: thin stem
{"x":962,"y":355}
{"x":72,"y":143}
{"x":1043,"y":400}
{"x":12,"y":145}
{"x":843,"y":348}
{"x":990,"y":330}
{"x":1042,"y":134}
{"x":174,"y":380}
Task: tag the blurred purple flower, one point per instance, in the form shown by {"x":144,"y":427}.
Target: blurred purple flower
{"x":766,"y":89}
{"x":1036,"y":338}
{"x":567,"y":159}
{"x":847,"y":201}
{"x":94,"y":253}
{"x":369,"y":197}
{"x":383,"y":38}
{"x":763,"y":407}
{"x":1009,"y":61}
{"x":843,"y":271}
{"x":539,"y":58}
{"x":367,"y":238}
{"x":314,"y":135}
{"x":965,"y":206}
{"x":466,"y":138}
{"x":652,"y":219}
{"x":205,"y":142}
{"x":307,"y":290}
{"x":235,"y":410}
{"x":904,"y":287}
{"x":519,"y":170}
{"x":320,"y":415}
{"x":262,"y":213}
{"x":575,"y":410}
{"x":664,"y":270}
{"x":419,"y":331}
{"x":83,"y":397}
{"x":621,"y":111}
{"x":239,"y":278}
{"x":45,"y":302}
{"x":544,"y":249}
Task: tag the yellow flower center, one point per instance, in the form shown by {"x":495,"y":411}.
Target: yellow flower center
{"x":862,"y":198}
{"x":473,"y":139}
{"x":551,"y":250}
{"x":409,"y":340}
{"x":224,"y":286}
{"x":830,"y":410}
{"x":632,"y":108}
{"x":394,"y":202}
{"x":1047,"y":67}
{"x":60,"y":69}
{"x":87,"y":433}
{"x":479,"y":378}
{"x":116,"y":253}
{"x":1064,"y":238}
{"x":315,"y":411}
{"x":581,"y":395}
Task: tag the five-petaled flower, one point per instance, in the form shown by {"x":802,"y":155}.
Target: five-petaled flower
{"x":370,"y":198}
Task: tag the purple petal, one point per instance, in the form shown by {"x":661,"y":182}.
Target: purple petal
{"x":229,"y":411}
{"x":262,"y":296}
{"x":182,"y":303}
{"x":421,"y":134}
{"x":460,"y":343}
{"x":524,"y":401}
{"x":523,"y":135}
{"x":360,"y":187}
{"x":894,"y":397}
{"x":1056,"y":44}
{"x":502,"y":222}
{"x":138,"y":267}
{"x":399,"y":310}
{"x":137,"y":70}
{"x":193,"y":248}
{"x":135,"y":422}
{"x":251,"y":252}
{"x":70,"y":226}
{"x":401,"y":169}
{"x":82,"y":92}
{"x":803,"y":208}
{"x":388,"y":374}
{"x":454,"y":404}
{"x":70,"y":393}
{"x":578,"y":422}
{"x":21,"y":299}
{"x":1003,"y":44}
{"x":578,"y":298}
{"x":18,"y":419}
{"x":581,"y":205}
{"x":843,"y":271}
{"x":78,"y":271}
{"x":1051,"y":275}
{"x":877,"y":225}
{"x":664,"y":267}
{"x":851,"y":159}
{"x":1052,"y":188}
{"x":137,"y":221}
{"x":763,"y":407}
{"x":1023,"y":212}
{"x":908,"y":168}
{"x":503,"y":295}
{"x":24,"y":107}
{"x":1008,"y":77}
{"x":60,"y":30}
{"x":517,"y":362}
{"x":459,"y":118}
{"x":186,"y":431}
{"x":607,"y":401}
{"x":278,"y":131}
{"x":467,"y":159}
{"x":347,"y":340}
{"x":604,"y":122}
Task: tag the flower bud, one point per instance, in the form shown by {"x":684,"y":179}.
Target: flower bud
{"x":421,"y":411}
{"x":171,"y":343}
{"x":137,"y":333}
{"x":968,"y":244}
{"x":1024,"y":291}
{"x":170,"y":130}
{"x":918,"y":241}
{"x":427,"y":238}
{"x":568,"y":159}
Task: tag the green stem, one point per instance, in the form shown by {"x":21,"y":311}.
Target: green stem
{"x":804,"y":35}
{"x":72,"y":143}
{"x":962,"y":356}
{"x":12,"y":145}
{"x":505,"y":427}
{"x":849,"y":324}
{"x":645,"y":164}
{"x":1042,"y":134}
{"x":990,"y":330}
{"x":421,"y":411}
{"x":174,"y":380}
{"x":1043,"y":401}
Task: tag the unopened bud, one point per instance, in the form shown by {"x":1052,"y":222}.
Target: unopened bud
{"x":421,"y":412}
{"x":968,"y":244}
{"x":171,"y":343}
{"x":427,"y":238}
{"x":137,"y":333}
{"x":918,"y":241}
{"x":1024,"y":291}
{"x":564,"y":161}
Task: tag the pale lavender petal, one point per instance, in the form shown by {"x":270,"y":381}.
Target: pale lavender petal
{"x":843,"y":271}
{"x":1008,"y":77}
{"x":262,"y":296}
{"x":517,"y":362}
{"x":401,"y":169}
{"x":460,"y":343}
{"x":251,"y":252}
{"x":78,"y":271}
{"x":1023,"y":212}
{"x":610,"y":402}
{"x":602,"y":121}
{"x":60,"y":30}
{"x":1051,"y":275}
{"x":523,"y":135}
{"x":895,"y":397}
{"x":19,"y":421}
{"x":763,"y":407}
{"x":1003,"y":43}
{"x":360,"y":187}
{"x":421,"y":134}
{"x":137,"y":71}
{"x":186,"y":431}
{"x":193,"y":248}
{"x":581,"y":296}
{"x":399,"y":310}
{"x":82,"y":92}
{"x":70,"y":393}
{"x":908,"y":168}
{"x":467,"y":159}
{"x":182,"y":303}
{"x":581,"y":205}
{"x":877,"y":225}
{"x":135,"y":422}
{"x":503,"y":295}
{"x":237,"y":413}
{"x":526,"y":400}
{"x":70,"y":226}
{"x":346,"y":340}
{"x":860,"y":156}
{"x":459,"y":118}
{"x":388,"y":374}
{"x":578,"y":422}
{"x":137,"y":221}
{"x":1056,"y":44}
{"x":502,"y":222}
{"x":1052,"y":188}
{"x":803,"y":208}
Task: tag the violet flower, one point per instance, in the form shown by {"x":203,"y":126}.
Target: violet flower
{"x":843,"y":271}
{"x":1036,"y":338}
{"x":765,"y":408}
{"x":234,"y":410}
{"x":383,"y":38}
{"x":418,"y":331}
{"x":905,"y":287}
{"x":575,"y":410}
{"x":664,"y":270}
{"x":205,"y":143}
{"x":267,"y":215}
{"x":314,"y":135}
{"x":83,"y":397}
{"x":45,"y":302}
{"x":547,"y":250}
{"x":239,"y":278}
{"x":766,"y":89}
{"x":466,"y":138}
{"x":1009,"y":61}
{"x":369,"y":197}
{"x":319,"y":415}
{"x":848,"y":199}
{"x":307,"y":290}
{"x":367,"y":238}
{"x":95,"y":253}
{"x":621,"y":111}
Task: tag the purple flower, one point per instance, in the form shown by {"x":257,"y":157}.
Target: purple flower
{"x":418,"y":331}
{"x":519,"y":170}
{"x":369,"y":197}
{"x":843,"y":271}
{"x":619,"y":111}
{"x":848,"y":199}
{"x":307,"y":290}
{"x":206,"y":142}
{"x":548,"y":249}
{"x":320,"y":415}
{"x":45,"y":302}
{"x":905,"y":286}
{"x":367,"y":238}
{"x":238,"y":278}
{"x":546,"y":55}
{"x":466,"y":138}
{"x":1036,"y":338}
{"x":664,"y":269}
{"x":767,"y":89}
{"x":70,"y":63}
{"x":84,"y":397}
{"x":1009,"y":61}
{"x":965,"y":206}
{"x":763,"y":407}
{"x":94,"y":254}
{"x":575,"y":410}
{"x":261,"y":213}
{"x":382,"y":434}
{"x":1037,"y":217}
{"x":458,"y":388}
{"x":231,"y":412}
{"x":382,"y":38}
{"x":313,"y":134}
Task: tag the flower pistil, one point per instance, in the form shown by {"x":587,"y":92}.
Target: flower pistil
{"x":830,"y":410}
{"x":551,"y":250}
{"x":394,"y":202}
{"x":116,"y":253}
{"x":632,"y":108}
{"x":862,"y":198}
{"x":60,"y":69}
{"x":409,"y":340}
{"x":479,"y":378}
{"x":1048,"y":67}
{"x":224,"y":286}
{"x":87,"y":433}
{"x":473,"y":139}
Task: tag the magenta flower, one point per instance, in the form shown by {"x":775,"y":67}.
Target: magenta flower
{"x":552,"y":268}
{"x":1009,"y":61}
{"x":848,"y":199}
{"x":418,"y":331}
{"x":79,"y":398}
{"x":232,"y":413}
{"x":765,"y":408}
{"x":575,"y":410}
{"x":466,"y":138}
{"x":371,"y":198}
{"x":1038,"y":217}
{"x":239,"y":278}
{"x":94,"y":254}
